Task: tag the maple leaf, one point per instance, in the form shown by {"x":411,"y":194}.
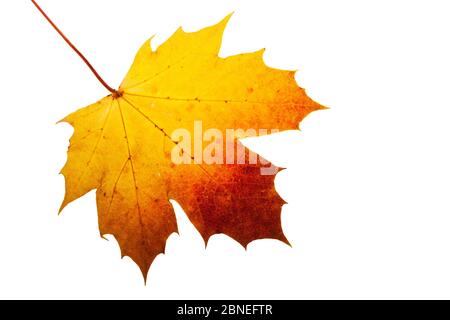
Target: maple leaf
{"x":122,"y":145}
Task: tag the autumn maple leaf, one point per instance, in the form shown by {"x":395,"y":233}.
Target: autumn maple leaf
{"x":123,"y":146}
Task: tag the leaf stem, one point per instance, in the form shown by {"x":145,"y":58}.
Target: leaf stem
{"x":103,"y":82}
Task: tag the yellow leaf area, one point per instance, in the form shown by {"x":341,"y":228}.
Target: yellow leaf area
{"x":122,"y":146}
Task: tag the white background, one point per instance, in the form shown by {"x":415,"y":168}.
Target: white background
{"x":368,"y":181}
